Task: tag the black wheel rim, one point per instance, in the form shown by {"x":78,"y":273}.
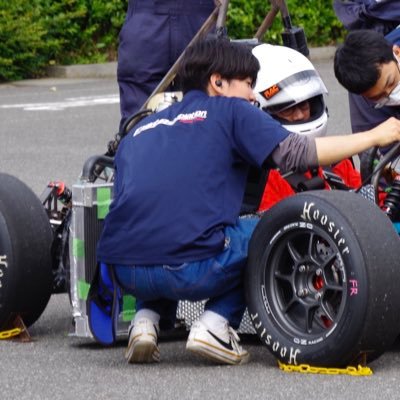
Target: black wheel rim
{"x":305,"y":276}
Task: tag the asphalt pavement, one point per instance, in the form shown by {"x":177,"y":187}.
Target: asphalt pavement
{"x":48,"y":129}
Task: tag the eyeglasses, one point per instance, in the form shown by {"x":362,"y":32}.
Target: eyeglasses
{"x":304,"y":106}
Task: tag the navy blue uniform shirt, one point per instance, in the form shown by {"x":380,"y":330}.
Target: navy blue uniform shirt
{"x":180,"y":179}
{"x":154,"y":35}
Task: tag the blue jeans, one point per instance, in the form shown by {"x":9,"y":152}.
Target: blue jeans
{"x":218,"y":279}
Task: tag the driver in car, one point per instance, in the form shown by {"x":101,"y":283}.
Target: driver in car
{"x":173,"y":231}
{"x":292,"y":92}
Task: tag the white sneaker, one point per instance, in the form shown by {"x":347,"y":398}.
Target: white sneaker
{"x":142,"y":346}
{"x":222,"y":348}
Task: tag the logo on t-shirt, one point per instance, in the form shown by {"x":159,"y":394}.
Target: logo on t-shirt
{"x":190,"y":118}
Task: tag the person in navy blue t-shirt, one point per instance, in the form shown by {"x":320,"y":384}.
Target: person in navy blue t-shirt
{"x":173,"y":231}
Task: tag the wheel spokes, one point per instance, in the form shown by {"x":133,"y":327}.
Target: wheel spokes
{"x":296,"y":256}
{"x":308,"y":283}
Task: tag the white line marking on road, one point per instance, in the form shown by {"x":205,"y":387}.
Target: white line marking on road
{"x":67,"y":103}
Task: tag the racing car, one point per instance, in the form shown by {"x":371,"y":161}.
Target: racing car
{"x":321,"y":280}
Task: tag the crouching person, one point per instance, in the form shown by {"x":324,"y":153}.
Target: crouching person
{"x":173,"y":231}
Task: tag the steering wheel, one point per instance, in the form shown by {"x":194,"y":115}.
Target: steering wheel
{"x":382,"y":170}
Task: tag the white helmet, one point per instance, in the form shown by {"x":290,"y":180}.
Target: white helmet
{"x":287,"y":78}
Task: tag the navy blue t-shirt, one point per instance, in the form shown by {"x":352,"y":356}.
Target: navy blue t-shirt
{"x":180,"y":179}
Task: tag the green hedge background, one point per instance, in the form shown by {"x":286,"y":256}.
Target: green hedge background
{"x":39,"y":33}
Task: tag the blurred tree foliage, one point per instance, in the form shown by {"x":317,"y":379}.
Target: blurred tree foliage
{"x":316,"y":17}
{"x":39,"y":33}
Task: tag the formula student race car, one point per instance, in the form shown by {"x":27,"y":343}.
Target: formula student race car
{"x":321,"y":281}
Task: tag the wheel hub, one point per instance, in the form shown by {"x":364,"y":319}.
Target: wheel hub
{"x":309,"y":282}
{"x":308,"y":287}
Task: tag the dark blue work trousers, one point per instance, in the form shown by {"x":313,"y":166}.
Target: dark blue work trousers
{"x":218,"y":279}
{"x":154,"y":34}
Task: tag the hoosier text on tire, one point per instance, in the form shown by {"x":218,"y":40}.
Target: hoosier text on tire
{"x":322,"y":279}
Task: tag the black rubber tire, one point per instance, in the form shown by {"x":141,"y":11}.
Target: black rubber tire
{"x":25,"y":260}
{"x":329,"y":258}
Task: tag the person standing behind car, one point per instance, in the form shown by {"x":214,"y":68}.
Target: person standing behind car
{"x":380,"y":16}
{"x":367,"y":65}
{"x":154,"y":34}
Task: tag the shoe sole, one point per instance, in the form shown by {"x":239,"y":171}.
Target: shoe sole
{"x":142,"y":351}
{"x":216,"y":354}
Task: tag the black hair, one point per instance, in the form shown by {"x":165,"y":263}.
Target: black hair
{"x":359,"y":59}
{"x":231,"y":60}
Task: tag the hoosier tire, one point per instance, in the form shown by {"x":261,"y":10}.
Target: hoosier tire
{"x":322,"y":280}
{"x":25,"y":260}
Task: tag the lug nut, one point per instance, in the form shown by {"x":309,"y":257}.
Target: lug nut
{"x":302,"y":293}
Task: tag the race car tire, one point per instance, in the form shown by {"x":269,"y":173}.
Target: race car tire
{"x":25,"y":260}
{"x":322,"y":280}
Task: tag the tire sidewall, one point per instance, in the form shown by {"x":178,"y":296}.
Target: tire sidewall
{"x":25,"y":245}
{"x":7,"y":277}
{"x":319,"y":217}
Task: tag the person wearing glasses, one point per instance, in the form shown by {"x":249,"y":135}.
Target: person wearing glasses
{"x":292,"y":92}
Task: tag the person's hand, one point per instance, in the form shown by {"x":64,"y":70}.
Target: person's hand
{"x":387,"y":132}
{"x":331,"y":149}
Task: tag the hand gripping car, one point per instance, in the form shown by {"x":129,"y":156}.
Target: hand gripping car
{"x":322,"y":274}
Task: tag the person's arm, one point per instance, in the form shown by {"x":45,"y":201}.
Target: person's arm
{"x":331,"y":149}
{"x":300,"y":152}
{"x":295,"y":153}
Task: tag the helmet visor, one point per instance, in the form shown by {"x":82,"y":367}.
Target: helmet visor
{"x":293,"y":90}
